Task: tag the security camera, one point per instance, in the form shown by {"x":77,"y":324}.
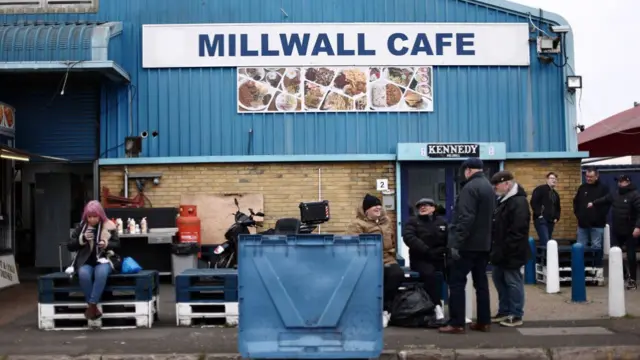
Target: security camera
{"x":561,"y":29}
{"x":154,"y":133}
{"x":144,"y":134}
{"x":156,"y":181}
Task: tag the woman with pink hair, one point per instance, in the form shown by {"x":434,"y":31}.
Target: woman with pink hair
{"x":92,"y":240}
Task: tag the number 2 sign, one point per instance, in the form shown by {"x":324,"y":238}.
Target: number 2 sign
{"x":382,"y":184}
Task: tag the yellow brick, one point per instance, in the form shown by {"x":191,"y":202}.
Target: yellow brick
{"x":531,"y":173}
{"x":283,"y":186}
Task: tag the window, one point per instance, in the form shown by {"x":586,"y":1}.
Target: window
{"x":35,"y":6}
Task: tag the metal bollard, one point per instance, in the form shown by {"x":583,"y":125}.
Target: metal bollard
{"x":578,"y":284}
{"x":616,"y":284}
{"x":606,"y":241}
{"x":469,"y":295}
{"x":530,"y":267}
{"x":553,"y":268}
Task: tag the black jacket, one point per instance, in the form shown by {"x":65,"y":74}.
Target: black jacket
{"x":595,"y":217}
{"x":511,"y":219}
{"x":625,"y":209}
{"x":106,"y":231}
{"x":472,"y":215}
{"x":545,"y":201}
{"x":426,"y":237}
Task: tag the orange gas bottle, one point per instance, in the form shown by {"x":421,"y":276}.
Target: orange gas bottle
{"x":188,"y":224}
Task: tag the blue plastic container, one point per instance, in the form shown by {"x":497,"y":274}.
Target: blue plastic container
{"x":310,"y":296}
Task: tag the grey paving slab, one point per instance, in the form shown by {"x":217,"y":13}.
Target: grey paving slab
{"x":559,"y":331}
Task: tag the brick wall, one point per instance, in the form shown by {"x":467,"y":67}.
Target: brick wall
{"x":531,"y":173}
{"x":283,"y":185}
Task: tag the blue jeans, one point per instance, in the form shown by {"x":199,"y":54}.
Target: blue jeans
{"x":592,"y":237}
{"x":544,"y":229}
{"x":510,"y":286}
{"x":476,"y":263}
{"x":93,"y":280}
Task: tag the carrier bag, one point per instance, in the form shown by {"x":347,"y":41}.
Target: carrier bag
{"x":411,"y":308}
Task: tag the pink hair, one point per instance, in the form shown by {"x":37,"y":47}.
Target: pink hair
{"x":94,"y":208}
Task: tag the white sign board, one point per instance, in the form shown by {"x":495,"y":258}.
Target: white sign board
{"x":335,"y":44}
{"x":8,"y":271}
{"x":382,"y":184}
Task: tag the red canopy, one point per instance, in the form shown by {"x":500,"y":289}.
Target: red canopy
{"x":618,"y":135}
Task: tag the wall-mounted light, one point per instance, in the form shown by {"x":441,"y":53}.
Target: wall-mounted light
{"x":14,"y":157}
{"x":574,"y":83}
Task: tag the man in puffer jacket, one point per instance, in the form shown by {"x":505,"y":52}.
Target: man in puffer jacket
{"x":625,"y":221}
{"x":371,"y":218}
{"x":426,"y":236}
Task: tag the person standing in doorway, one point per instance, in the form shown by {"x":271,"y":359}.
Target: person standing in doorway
{"x":545,"y":203}
{"x":510,"y":249}
{"x":469,"y":243}
{"x":625,"y":221}
{"x":426,"y":236}
{"x":371,"y":218}
{"x":591,"y":221}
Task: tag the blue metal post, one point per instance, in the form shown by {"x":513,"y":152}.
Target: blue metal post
{"x":578,"y":284}
{"x":530,"y":267}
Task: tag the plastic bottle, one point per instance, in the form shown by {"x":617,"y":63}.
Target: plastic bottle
{"x":119,"y":226}
{"x":143,"y":225}
{"x":137,"y":228}
{"x":132,"y":226}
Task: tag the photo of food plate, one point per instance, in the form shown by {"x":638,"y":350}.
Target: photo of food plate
{"x":375,"y":73}
{"x":256,"y":74}
{"x":291,"y":82}
{"x":384,"y":95}
{"x":253,"y":95}
{"x":399,"y":75}
{"x":423,"y":74}
{"x":286,"y":102}
{"x":313,"y":95}
{"x":423,"y":88}
{"x":415,"y":101}
{"x":361,"y":102}
{"x":273,"y":78}
{"x":321,"y":76}
{"x":351,"y":81}
{"x":337,"y":102}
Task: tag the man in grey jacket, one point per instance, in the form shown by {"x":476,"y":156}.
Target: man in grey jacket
{"x":470,"y":245}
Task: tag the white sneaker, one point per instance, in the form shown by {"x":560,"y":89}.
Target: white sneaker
{"x":385,"y":319}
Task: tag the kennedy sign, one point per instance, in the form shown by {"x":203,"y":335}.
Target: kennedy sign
{"x":335,"y":44}
{"x":453,"y":150}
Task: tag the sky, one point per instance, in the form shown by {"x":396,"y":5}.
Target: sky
{"x":606,"y":52}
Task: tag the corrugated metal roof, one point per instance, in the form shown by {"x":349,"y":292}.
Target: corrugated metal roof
{"x":42,"y":41}
{"x":195,"y":111}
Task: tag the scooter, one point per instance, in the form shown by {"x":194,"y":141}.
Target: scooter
{"x":225,"y":253}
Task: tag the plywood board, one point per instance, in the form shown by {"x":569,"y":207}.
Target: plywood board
{"x":216,"y":212}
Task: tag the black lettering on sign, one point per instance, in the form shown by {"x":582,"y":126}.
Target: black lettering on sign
{"x":7,"y":271}
{"x":453,"y":150}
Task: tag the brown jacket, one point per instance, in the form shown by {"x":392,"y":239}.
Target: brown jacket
{"x":363,"y":225}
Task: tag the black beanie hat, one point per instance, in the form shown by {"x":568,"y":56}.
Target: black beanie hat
{"x":369,"y":202}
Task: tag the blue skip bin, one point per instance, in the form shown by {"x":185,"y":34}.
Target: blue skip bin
{"x":310,"y":296}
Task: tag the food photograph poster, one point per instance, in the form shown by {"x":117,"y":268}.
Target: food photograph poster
{"x":332,"y":89}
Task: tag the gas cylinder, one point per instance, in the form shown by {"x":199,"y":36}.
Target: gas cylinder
{"x":188,"y":224}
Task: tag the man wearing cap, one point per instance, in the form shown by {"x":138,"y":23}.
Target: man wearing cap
{"x":469,"y":243}
{"x":625,"y":221}
{"x":426,"y":236}
{"x":371,"y":218}
{"x":510,"y":249}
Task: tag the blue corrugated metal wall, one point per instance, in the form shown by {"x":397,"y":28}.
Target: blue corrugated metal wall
{"x":48,"y":123}
{"x":195,"y":109}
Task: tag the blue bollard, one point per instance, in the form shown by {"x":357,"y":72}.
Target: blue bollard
{"x":530,"y":267}
{"x":578,"y":284}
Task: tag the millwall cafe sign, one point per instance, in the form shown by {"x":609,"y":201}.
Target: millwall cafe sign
{"x":335,"y":44}
{"x":452,"y":150}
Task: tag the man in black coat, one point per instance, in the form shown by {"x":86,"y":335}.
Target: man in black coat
{"x":625,"y":221}
{"x":510,"y":250}
{"x":426,"y":236}
{"x":469,"y":243}
{"x":545,"y":203}
{"x":591,"y":221}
